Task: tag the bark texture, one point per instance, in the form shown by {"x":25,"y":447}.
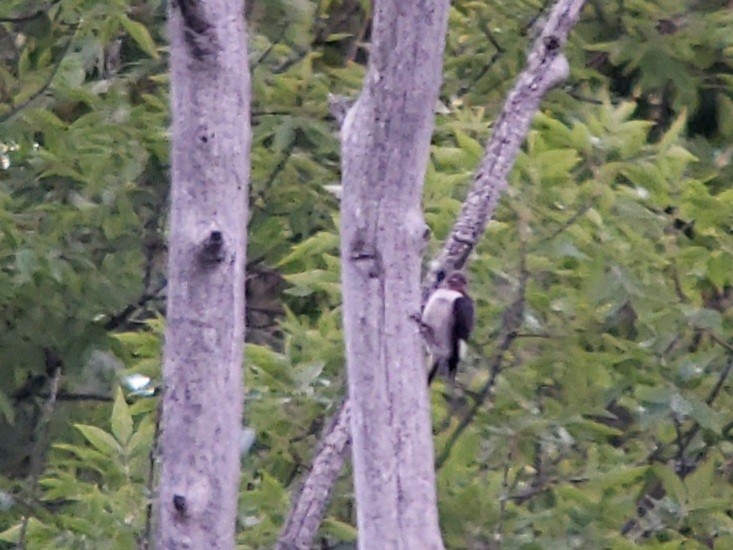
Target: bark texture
{"x":546,"y":67}
{"x":202,"y":371}
{"x":385,"y":140}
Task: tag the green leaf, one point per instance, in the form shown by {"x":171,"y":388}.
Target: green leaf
{"x":121,"y":419}
{"x":672,"y":136}
{"x":6,"y":408}
{"x":338,"y":36}
{"x":470,"y":145}
{"x":143,"y":406}
{"x":318,"y":244}
{"x":679,"y":405}
{"x":594,"y":428}
{"x":653,"y":394}
{"x":620,"y":477}
{"x":719,"y":269}
{"x":100,"y":439}
{"x":700,"y":482}
{"x":646,"y":176}
{"x":12,"y":534}
{"x":140,"y":440}
{"x":26,"y":264}
{"x":453,"y":158}
{"x":340,"y":530}
{"x":705,"y":415}
{"x":87,"y":454}
{"x":671,"y":482}
{"x":556,"y":163}
{"x":705,"y":319}
{"x":139,"y":34}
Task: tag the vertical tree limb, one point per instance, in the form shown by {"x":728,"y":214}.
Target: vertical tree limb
{"x":385,"y":147}
{"x":204,"y":337}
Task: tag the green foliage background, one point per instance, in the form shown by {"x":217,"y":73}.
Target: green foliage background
{"x":605,"y":274}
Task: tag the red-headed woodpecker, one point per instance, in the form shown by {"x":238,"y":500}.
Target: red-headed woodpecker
{"x":447,"y":320}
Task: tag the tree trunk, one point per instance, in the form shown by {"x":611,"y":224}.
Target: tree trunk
{"x":386,"y":138}
{"x":202,"y":370}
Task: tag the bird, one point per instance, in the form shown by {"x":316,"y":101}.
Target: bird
{"x":447,"y":322}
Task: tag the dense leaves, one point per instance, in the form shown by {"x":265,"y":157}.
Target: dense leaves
{"x":597,"y":380}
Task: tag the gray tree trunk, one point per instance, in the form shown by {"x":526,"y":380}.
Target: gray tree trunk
{"x":385,"y":140}
{"x":202,"y":370}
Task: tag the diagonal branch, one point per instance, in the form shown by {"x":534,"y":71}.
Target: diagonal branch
{"x":546,"y":68}
{"x":119,"y":319}
{"x":309,"y":504}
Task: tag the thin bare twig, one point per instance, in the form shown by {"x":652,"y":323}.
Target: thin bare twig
{"x":571,"y":220}
{"x":65,"y":396}
{"x":712,"y":396}
{"x":144,"y":541}
{"x":261,"y":59}
{"x":121,"y":318}
{"x":534,"y":335}
{"x":572,"y":92}
{"x":498,"y":54}
{"x":499,"y":527}
{"x":276,"y":171}
{"x":678,"y":284}
{"x":688,"y":436}
{"x":715,"y":338}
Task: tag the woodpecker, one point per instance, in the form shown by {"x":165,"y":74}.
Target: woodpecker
{"x":446,"y":321}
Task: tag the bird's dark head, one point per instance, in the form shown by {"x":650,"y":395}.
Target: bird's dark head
{"x":456,"y":281}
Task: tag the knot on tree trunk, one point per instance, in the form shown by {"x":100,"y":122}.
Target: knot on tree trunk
{"x":212,"y":250}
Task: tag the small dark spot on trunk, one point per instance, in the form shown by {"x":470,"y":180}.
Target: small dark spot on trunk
{"x":179,"y":503}
{"x":552,"y":43}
